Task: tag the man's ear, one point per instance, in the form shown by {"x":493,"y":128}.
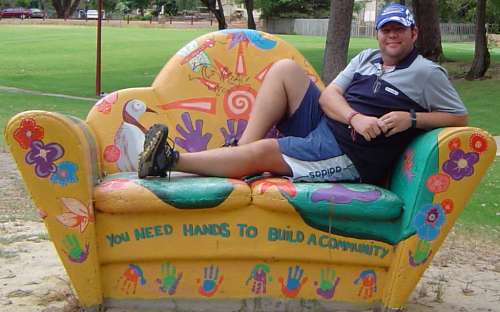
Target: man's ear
{"x":414,"y":33}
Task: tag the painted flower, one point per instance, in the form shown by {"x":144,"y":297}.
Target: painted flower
{"x":454,"y":144}
{"x":43,"y":157}
{"x":111,"y":153}
{"x":285,"y":186}
{"x":28,"y":132}
{"x":104,"y":104}
{"x":460,"y":164}
{"x":65,"y":174}
{"x":76,"y":215}
{"x":115,"y":184}
{"x":408,"y":165}
{"x":428,"y":221}
{"x":438,"y":183}
{"x":448,"y":205}
{"x":478,"y":142}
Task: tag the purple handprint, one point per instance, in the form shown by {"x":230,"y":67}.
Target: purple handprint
{"x":193,"y":140}
{"x":273,"y":133}
{"x":233,"y":135}
{"x":339,"y":194}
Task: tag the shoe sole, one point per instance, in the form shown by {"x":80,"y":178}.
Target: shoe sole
{"x":156,"y":135}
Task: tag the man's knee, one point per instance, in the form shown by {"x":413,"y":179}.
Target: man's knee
{"x":265,"y":153}
{"x":286,"y":66}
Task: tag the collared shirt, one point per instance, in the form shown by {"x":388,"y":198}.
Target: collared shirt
{"x":369,"y":88}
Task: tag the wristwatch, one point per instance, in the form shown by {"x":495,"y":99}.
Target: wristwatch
{"x":413,"y":117}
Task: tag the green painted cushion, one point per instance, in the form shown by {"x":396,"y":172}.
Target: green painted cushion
{"x":354,"y":210}
{"x":340,"y":200}
{"x":124,"y":192}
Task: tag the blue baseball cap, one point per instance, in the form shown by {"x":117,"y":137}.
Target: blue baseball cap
{"x":395,"y":12}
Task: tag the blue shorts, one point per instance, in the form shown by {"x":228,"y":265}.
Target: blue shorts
{"x":309,"y":146}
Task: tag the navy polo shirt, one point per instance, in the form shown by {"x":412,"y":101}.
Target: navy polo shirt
{"x":415,"y":83}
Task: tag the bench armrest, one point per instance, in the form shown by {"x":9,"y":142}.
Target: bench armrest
{"x":56,"y":156}
{"x":442,"y":167}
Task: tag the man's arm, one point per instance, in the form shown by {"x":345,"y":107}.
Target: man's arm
{"x":335,"y":106}
{"x":446,"y":109}
{"x":394,"y":122}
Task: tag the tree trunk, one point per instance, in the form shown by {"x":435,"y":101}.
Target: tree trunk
{"x":481,"y":60}
{"x":65,"y":8}
{"x":337,"y":38}
{"x":249,"y":7}
{"x":429,"y":34}
{"x":218,"y":12}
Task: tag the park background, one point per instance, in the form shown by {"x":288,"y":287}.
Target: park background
{"x":49,"y":64}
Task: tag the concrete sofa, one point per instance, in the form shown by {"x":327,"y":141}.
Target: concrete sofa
{"x":208,"y":244}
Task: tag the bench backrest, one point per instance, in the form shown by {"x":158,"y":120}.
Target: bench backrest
{"x":204,"y":94}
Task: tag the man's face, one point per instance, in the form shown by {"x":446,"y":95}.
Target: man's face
{"x":396,"y":41}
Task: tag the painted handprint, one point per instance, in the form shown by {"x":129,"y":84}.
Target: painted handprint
{"x":73,"y":249}
{"x":259,"y":276}
{"x":193,"y":140}
{"x":273,"y":133}
{"x":368,"y":283}
{"x":232,"y":135}
{"x":210,"y":284}
{"x":339,"y":194}
{"x":169,"y":281}
{"x":294,"y":282}
{"x":327,"y":284}
{"x":131,"y":277}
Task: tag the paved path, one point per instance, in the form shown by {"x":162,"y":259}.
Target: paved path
{"x":25,"y":91}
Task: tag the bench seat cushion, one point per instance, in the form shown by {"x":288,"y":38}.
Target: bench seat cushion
{"x":356,"y":210}
{"x":126,"y":193}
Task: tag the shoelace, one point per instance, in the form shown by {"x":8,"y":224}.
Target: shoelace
{"x":172,"y":151}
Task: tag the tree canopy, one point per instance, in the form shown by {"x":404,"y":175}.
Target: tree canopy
{"x":294,"y":8}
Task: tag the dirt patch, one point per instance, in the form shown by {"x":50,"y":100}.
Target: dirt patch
{"x":463,"y":277}
{"x":16,"y":203}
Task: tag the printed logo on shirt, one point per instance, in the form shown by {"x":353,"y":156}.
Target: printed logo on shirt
{"x":391,"y":90}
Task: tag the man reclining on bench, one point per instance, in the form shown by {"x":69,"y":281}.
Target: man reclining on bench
{"x":352,"y":131}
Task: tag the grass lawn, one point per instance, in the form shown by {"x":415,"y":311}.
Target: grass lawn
{"x":61,"y":59}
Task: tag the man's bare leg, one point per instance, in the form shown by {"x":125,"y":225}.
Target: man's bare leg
{"x":236,"y":162}
{"x":280,"y":95}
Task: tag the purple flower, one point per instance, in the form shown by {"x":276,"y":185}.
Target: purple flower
{"x":428,"y":221}
{"x":460,"y":164}
{"x":43,"y":156}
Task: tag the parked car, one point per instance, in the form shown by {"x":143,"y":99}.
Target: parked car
{"x":37,"y":13}
{"x":15,"y":12}
{"x":92,"y":14}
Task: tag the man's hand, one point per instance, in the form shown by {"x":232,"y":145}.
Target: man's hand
{"x":394,"y":122}
{"x":369,"y":127}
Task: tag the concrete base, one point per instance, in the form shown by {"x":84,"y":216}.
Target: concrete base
{"x":244,"y":305}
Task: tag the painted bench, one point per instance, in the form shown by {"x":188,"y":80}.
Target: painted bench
{"x":200,"y":243}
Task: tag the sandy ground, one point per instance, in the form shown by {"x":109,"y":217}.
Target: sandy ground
{"x":464,"y":275}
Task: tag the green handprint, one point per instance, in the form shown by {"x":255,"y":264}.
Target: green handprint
{"x":74,"y":250}
{"x":328,"y":283}
{"x":169,"y":281}
{"x":422,"y":253}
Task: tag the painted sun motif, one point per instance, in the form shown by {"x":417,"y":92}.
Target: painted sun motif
{"x":231,"y":82}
